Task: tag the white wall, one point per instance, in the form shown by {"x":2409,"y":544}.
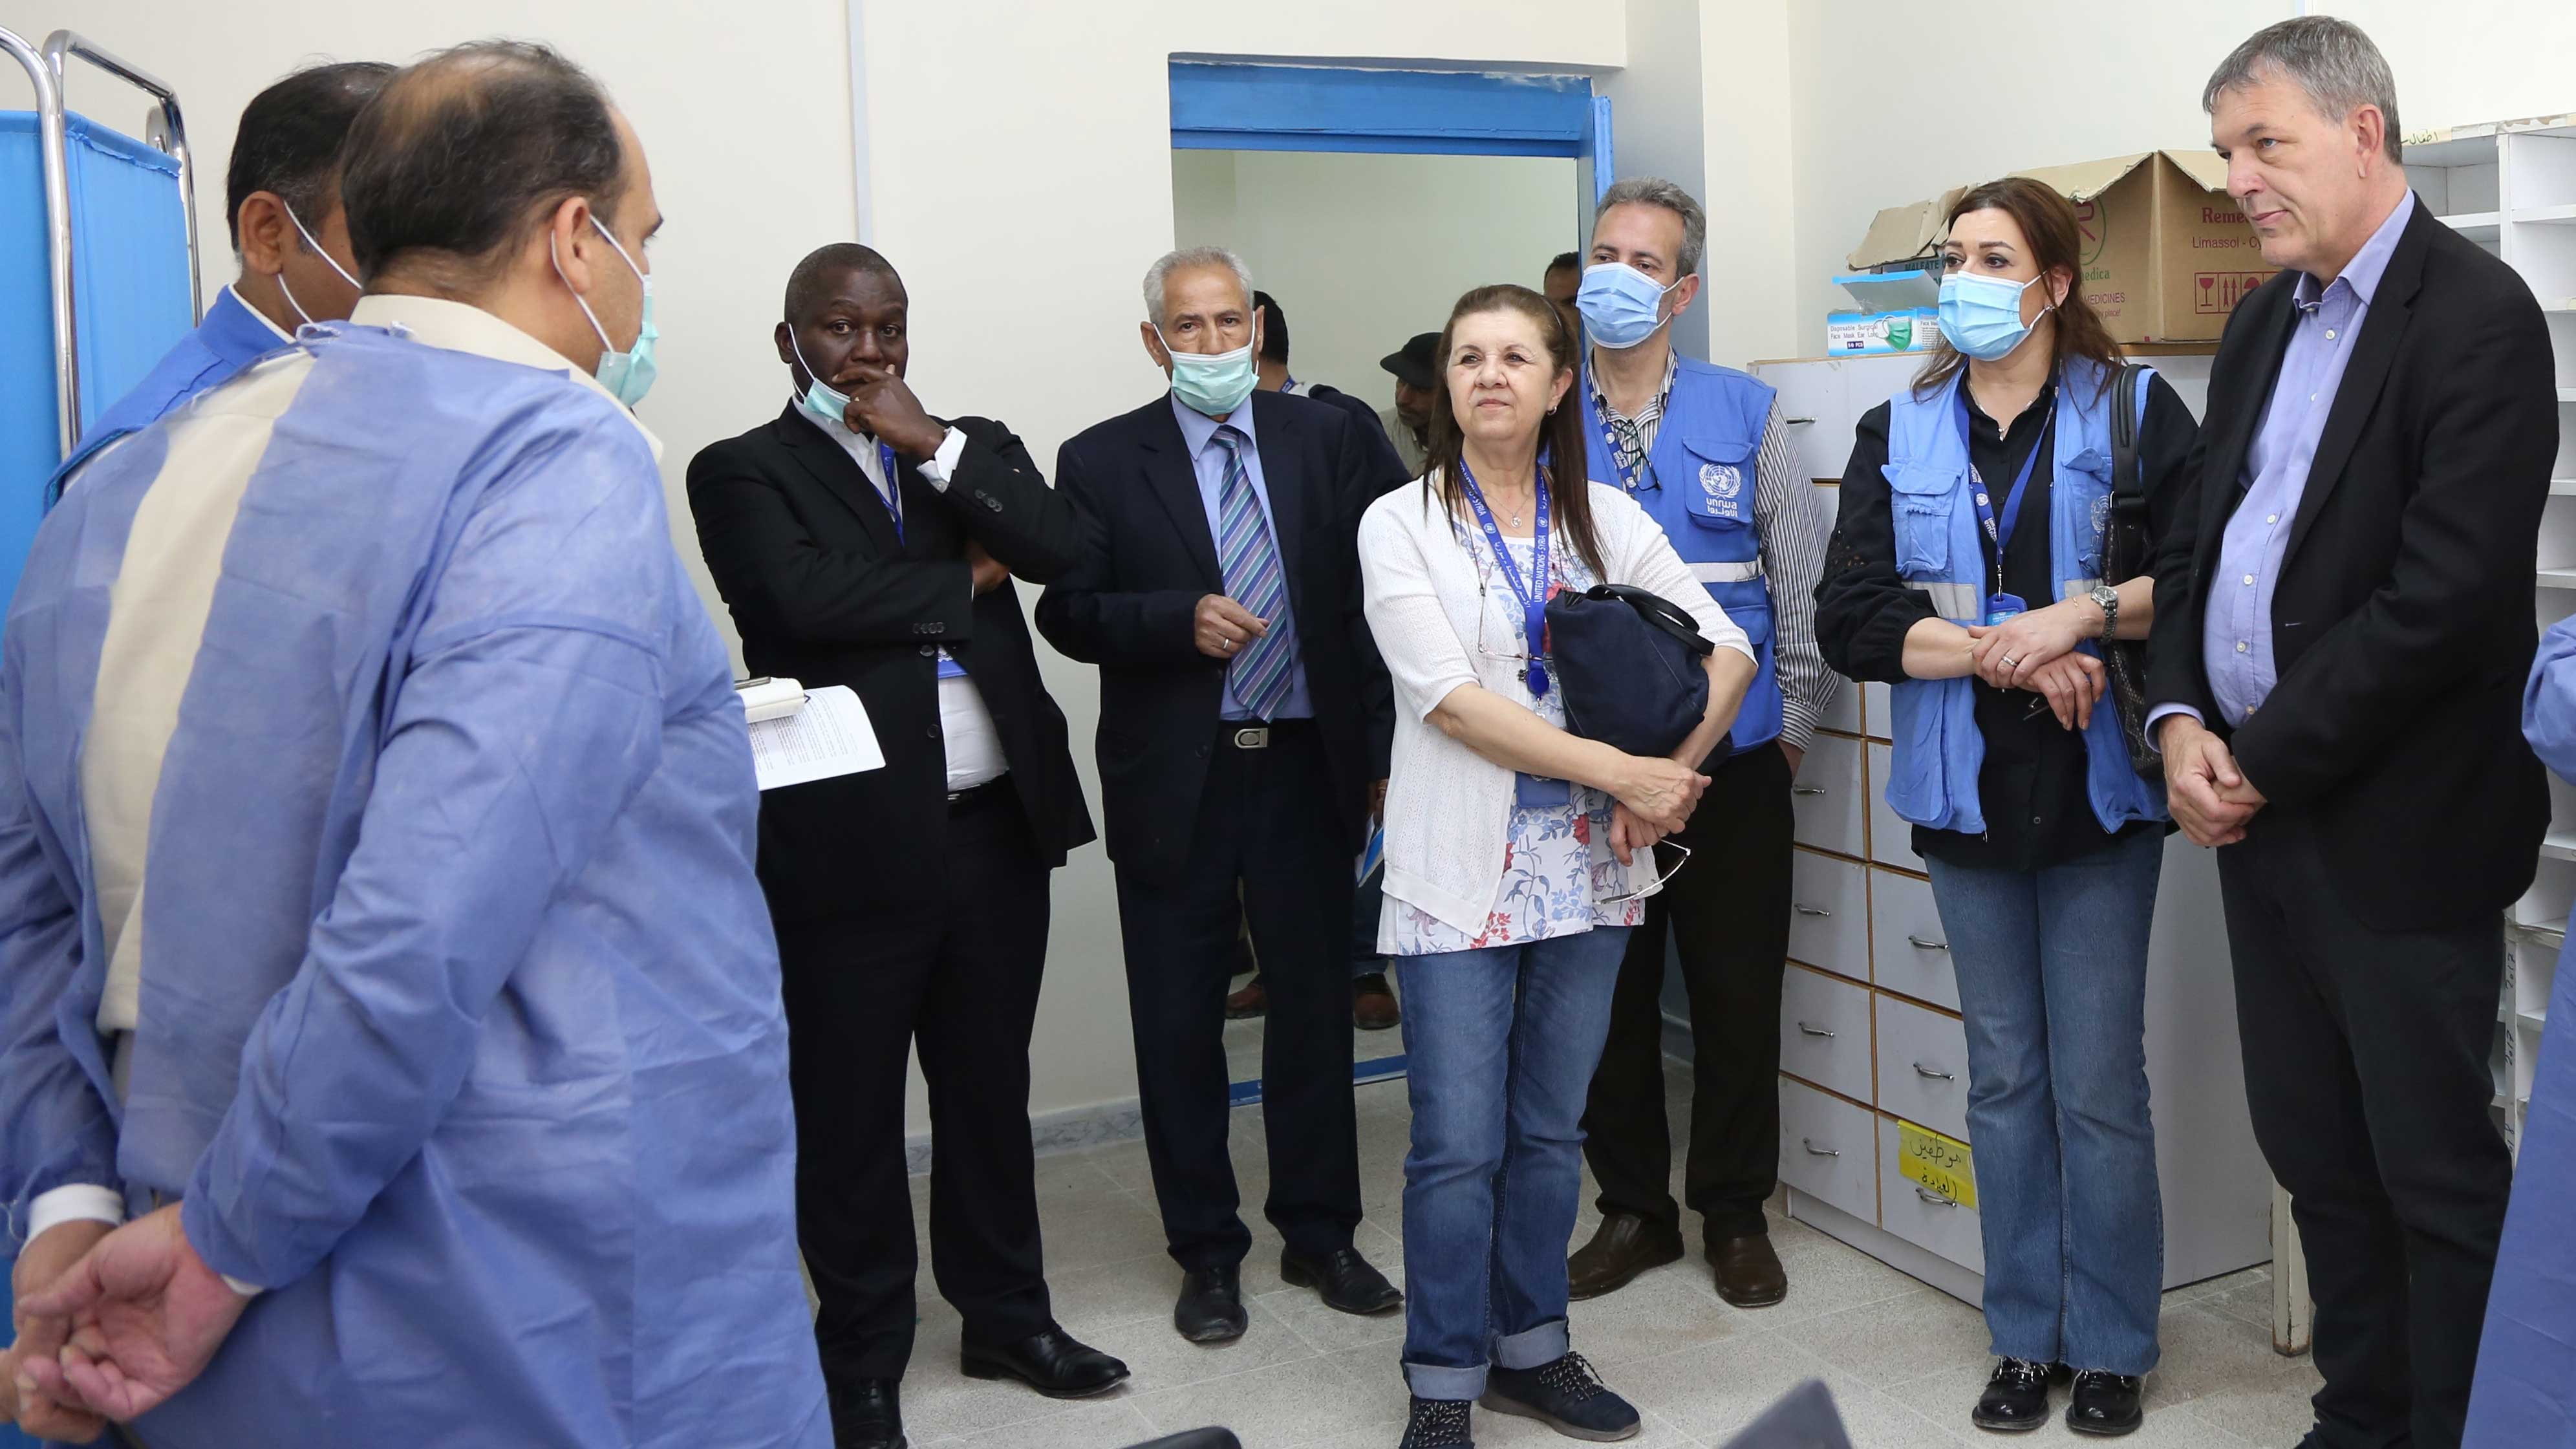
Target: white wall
{"x":1883,"y":115}
{"x":1364,"y":251}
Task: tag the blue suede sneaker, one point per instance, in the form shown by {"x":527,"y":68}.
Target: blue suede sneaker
{"x":1437,"y":1424}
{"x":1566,"y":1396}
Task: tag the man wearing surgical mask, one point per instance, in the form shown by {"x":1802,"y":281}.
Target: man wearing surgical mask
{"x":282,"y":201}
{"x":376,"y":828}
{"x":1244,"y":729}
{"x":1705,"y":450}
{"x":862,"y":543}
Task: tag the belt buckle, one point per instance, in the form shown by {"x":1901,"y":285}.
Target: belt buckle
{"x":1256,"y":737}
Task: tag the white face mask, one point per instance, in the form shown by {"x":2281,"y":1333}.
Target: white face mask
{"x":327,"y":258}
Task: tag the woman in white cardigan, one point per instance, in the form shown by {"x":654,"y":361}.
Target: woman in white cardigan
{"x":1516,"y":861}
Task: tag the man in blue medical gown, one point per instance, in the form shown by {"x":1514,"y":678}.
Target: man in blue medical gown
{"x":2525,"y":1396}
{"x":282,"y":203}
{"x":376,"y":893}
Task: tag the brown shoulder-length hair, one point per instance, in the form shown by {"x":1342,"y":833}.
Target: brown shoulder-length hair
{"x":1561,"y":441}
{"x":2047,"y":222}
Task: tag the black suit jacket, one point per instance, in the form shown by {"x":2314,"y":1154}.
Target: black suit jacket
{"x":2402,"y":621}
{"x":804,"y":551}
{"x":1129,"y":607}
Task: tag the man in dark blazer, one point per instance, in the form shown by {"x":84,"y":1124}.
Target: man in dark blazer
{"x":2343,"y":624}
{"x":1244,"y":727}
{"x":860,"y":541}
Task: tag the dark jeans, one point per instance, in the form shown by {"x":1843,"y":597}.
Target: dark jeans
{"x":2052,"y":968}
{"x":958,"y":979}
{"x":1499,"y":1044}
{"x":1267,"y":846}
{"x":2366,"y":1067}
{"x":1728,"y":911}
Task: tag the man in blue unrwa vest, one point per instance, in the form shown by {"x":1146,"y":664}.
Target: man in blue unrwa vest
{"x":1704,"y":449}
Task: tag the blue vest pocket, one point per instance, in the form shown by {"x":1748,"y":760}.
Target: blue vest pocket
{"x":1721,"y":482}
{"x":1921,"y":500}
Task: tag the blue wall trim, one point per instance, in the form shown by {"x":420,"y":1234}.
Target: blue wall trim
{"x":1217,"y":107}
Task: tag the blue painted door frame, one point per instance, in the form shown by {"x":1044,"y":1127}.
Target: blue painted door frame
{"x":1218,"y":106}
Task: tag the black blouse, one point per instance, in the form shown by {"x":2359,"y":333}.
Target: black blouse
{"x":2032,"y":784}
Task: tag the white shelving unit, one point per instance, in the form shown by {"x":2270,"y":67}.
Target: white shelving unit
{"x":2511,"y":187}
{"x":1871,"y":1038}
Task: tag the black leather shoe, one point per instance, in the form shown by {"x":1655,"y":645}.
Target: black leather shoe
{"x":1211,"y":1306}
{"x":2016,"y":1397}
{"x":1624,"y":1246}
{"x":867,"y":1414}
{"x":1052,"y":1363}
{"x":1343,"y":1279}
{"x":2106,"y":1404}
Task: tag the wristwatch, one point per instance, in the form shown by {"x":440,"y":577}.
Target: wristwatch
{"x":2109,"y":598}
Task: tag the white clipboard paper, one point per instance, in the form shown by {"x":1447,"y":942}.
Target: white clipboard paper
{"x":829,"y":736}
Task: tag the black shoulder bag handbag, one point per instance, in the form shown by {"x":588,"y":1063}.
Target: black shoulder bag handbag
{"x":1629,"y":662}
{"x":2128,"y":551}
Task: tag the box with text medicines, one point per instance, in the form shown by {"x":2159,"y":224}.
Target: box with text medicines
{"x":1867,"y":334}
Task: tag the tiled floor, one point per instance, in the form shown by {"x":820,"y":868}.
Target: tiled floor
{"x":1903,"y":1360}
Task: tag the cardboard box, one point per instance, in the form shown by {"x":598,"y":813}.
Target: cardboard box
{"x":1868,"y":334}
{"x":2167,"y":252}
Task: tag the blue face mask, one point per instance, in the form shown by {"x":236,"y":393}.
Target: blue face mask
{"x":1213,"y":384}
{"x":823,"y":403}
{"x":1981,"y":316}
{"x":627,"y":375}
{"x":1621,"y":306}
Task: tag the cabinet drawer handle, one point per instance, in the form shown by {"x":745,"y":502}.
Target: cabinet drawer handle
{"x":1810,"y":910}
{"x":1810,"y":1144}
{"x":1934,"y":1198}
{"x":1793,"y":422}
{"x":1921,"y":1070}
{"x":1806,"y":789}
{"x":1813,"y":1030}
{"x":1919,"y":944}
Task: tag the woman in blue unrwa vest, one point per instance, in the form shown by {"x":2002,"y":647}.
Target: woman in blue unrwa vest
{"x":1966,"y":571}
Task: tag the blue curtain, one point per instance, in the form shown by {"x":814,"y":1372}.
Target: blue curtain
{"x":131,"y":287}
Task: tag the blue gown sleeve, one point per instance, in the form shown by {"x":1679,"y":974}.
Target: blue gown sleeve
{"x":530,"y":715}
{"x":57,"y":1131}
{"x":2549,"y":700}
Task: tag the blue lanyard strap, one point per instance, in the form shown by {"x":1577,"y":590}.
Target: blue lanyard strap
{"x":1533,"y":602}
{"x":1610,"y":435}
{"x":894,"y":487}
{"x":2001,"y":534}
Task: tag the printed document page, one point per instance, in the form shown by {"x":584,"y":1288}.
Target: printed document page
{"x":829,"y":736}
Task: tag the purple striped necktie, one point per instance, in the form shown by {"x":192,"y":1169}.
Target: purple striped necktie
{"x":1248,"y":559}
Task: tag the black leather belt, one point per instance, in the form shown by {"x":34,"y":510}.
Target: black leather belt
{"x":977,"y":797}
{"x":1244,"y":735}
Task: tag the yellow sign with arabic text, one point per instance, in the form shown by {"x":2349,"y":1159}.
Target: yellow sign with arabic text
{"x":1941,"y":1164}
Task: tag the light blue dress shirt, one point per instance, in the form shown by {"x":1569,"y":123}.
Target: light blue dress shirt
{"x":1208,"y":461}
{"x":2236,"y":630}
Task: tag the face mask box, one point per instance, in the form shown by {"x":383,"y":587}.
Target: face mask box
{"x":1870,"y":334}
{"x":2166,"y":252}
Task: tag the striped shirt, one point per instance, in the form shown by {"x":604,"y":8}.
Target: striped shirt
{"x":1790,"y":538}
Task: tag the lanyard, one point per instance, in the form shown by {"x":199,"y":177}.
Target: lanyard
{"x":1533,"y":603}
{"x":894,"y":488}
{"x":1610,"y":438}
{"x":2002,"y":536}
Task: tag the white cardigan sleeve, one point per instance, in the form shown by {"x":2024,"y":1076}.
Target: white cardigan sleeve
{"x":1641,"y":555}
{"x":1422,"y":650}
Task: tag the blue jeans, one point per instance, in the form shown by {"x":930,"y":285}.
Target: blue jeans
{"x":2052,"y":968}
{"x":1500,"y":1047}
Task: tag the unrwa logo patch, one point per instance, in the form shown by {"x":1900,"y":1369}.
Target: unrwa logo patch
{"x":1721,"y":480}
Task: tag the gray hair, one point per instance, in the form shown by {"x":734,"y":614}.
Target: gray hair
{"x":1656,"y":191}
{"x":1169,"y":262}
{"x":2330,"y":60}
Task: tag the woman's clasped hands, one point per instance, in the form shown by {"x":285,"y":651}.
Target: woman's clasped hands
{"x":2036,"y":651}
